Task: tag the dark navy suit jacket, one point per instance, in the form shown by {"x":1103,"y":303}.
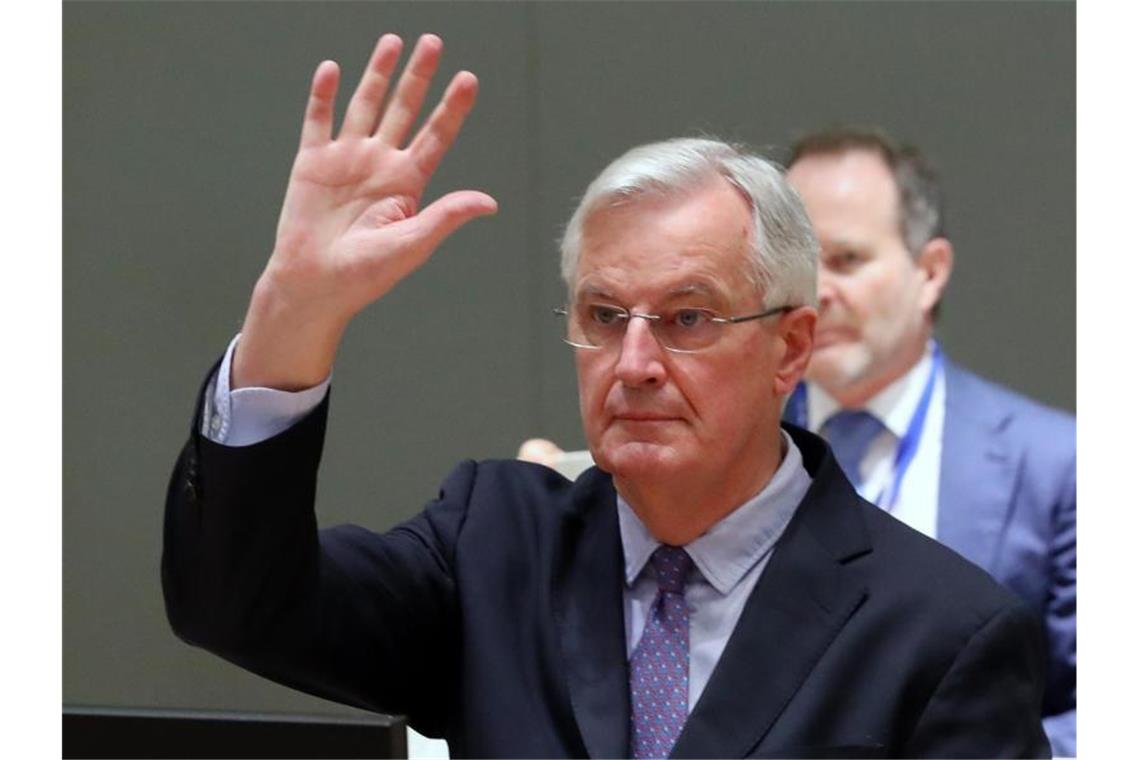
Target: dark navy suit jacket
{"x":1007,"y":501}
{"x":494,"y":618}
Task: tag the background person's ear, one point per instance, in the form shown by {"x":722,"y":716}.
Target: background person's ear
{"x":936,"y":260}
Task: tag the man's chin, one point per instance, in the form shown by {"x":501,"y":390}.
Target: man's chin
{"x":836,"y":367}
{"x":635,"y":459}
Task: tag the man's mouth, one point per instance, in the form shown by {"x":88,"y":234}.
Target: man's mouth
{"x":642,"y":417}
{"x":829,"y":336}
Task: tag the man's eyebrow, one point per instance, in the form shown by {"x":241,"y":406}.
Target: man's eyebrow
{"x":594,"y":291}
{"x":684,"y":290}
{"x":697,"y":289}
{"x":844,"y":244}
{"x":692,"y":289}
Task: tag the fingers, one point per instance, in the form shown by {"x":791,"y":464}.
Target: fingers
{"x":441,"y":129}
{"x":443,"y":217}
{"x":409,"y":96}
{"x":316,"y":128}
{"x":395,"y":121}
{"x":364,"y":109}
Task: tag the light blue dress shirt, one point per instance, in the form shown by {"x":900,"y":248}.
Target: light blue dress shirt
{"x":728,"y":559}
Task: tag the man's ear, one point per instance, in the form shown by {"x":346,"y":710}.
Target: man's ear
{"x":797,"y":333}
{"x":936,"y":263}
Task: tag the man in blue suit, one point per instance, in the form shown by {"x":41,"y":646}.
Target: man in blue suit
{"x":715,"y":588}
{"x":986,"y":471}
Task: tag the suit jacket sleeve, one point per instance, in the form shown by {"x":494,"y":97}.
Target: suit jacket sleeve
{"x":344,"y":613}
{"x":986,"y":703}
{"x":1060,"y":707}
{"x":1047,"y":497}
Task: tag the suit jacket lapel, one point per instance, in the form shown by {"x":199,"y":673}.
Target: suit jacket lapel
{"x":803,"y":599}
{"x":978,"y":472}
{"x":591,"y":621}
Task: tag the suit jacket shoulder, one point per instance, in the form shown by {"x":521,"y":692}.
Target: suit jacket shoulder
{"x":1008,"y":478}
{"x":990,"y":405}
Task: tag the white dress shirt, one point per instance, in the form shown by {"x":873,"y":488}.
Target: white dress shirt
{"x":894,"y":406}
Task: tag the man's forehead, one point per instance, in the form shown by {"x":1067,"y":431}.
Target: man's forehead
{"x":846,"y":191}
{"x":693,"y":242}
{"x":684,"y":285}
{"x":852,"y":175}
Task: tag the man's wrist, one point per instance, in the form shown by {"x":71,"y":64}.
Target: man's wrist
{"x":285,"y":346}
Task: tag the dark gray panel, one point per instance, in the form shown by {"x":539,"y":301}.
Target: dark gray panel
{"x":180,"y":121}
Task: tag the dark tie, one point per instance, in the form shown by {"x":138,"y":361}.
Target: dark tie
{"x":659,"y":667}
{"x":850,"y":433}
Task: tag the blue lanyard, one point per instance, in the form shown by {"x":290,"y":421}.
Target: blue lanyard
{"x":908,"y":446}
{"x":796,"y":413}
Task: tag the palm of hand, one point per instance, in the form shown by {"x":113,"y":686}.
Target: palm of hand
{"x":342,"y":213}
{"x":350,"y":226}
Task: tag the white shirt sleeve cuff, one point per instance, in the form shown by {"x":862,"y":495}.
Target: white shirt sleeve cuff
{"x":251,"y":415}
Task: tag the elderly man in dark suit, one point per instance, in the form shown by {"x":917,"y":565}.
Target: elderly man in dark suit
{"x":980,"y":468}
{"x":715,"y":587}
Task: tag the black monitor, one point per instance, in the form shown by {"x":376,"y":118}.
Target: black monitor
{"x":103,"y":732}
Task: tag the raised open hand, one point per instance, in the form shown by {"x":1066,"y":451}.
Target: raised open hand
{"x":351,"y":226}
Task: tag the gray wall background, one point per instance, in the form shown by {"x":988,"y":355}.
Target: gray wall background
{"x":180,"y":123}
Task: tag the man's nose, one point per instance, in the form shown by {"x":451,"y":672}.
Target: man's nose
{"x":640,"y":362}
{"x":825,"y":288}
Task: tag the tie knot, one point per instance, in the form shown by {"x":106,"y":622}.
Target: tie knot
{"x":850,"y":433}
{"x":671,"y":564}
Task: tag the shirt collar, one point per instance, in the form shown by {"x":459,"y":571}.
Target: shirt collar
{"x":730,"y":548}
{"x":894,"y":406}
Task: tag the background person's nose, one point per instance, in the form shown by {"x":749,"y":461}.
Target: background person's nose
{"x":825,"y":288}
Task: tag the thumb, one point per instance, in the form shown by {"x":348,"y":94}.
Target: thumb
{"x":435,"y":222}
{"x":397,"y":249}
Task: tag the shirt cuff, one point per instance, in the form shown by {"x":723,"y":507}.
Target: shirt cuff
{"x":247,"y":416}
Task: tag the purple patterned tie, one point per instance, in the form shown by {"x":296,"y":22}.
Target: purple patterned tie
{"x":659,"y":667}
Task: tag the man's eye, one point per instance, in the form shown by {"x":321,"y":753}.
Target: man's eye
{"x":844,"y":260}
{"x":604,"y":315}
{"x":690,"y":318}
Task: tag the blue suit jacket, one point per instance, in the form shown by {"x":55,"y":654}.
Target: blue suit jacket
{"x":1007,"y":502}
{"x":494,"y":617}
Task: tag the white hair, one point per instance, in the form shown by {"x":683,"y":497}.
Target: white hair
{"x":785,"y":249}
